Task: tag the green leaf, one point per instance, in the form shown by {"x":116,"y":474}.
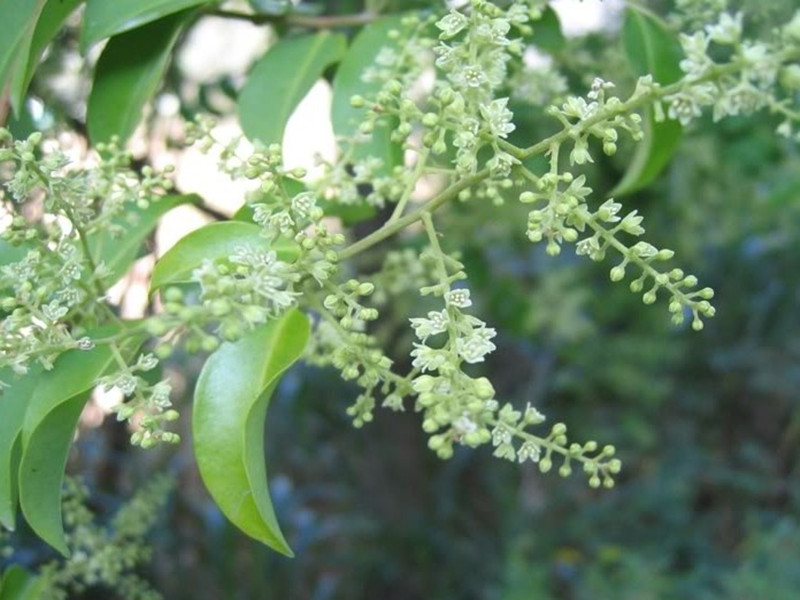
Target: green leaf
{"x":13,"y":404}
{"x":279,"y":81}
{"x":348,"y":83}
{"x":47,"y":433}
{"x":547,"y":33}
{"x":51,"y":19}
{"x":105,"y":18}
{"x":11,"y":254}
{"x":19,"y":22}
{"x":230,"y":406}
{"x":127,"y":75}
{"x":212,"y":242}
{"x":651,"y":48}
{"x":18,"y":584}
{"x":119,"y":252}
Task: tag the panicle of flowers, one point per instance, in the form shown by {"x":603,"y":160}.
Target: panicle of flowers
{"x":51,"y":209}
{"x":105,"y":555}
{"x":357,"y":177}
{"x":148,"y":406}
{"x":458,"y":408}
{"x":598,"y":115}
{"x":340,"y":339}
{"x":566,"y":217}
{"x":249,"y":287}
{"x":473,"y":54}
{"x":747,"y":81}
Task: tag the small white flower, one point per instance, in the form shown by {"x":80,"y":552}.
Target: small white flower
{"x":436,"y":322}
{"x":458,"y":298}
{"x":451,"y":24}
{"x":475,"y":347}
{"x":727,"y":31}
{"x":501,"y":435}
{"x":529,"y":451}
{"x":427,"y":359}
{"x":498,"y":117}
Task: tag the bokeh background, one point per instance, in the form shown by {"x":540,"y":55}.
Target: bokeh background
{"x":707,"y":424}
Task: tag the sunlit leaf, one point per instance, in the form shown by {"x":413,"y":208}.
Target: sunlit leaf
{"x":230,"y":406}
{"x":280,"y":80}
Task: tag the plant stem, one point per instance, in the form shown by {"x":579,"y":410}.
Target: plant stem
{"x":390,"y":228}
{"x":422,"y":158}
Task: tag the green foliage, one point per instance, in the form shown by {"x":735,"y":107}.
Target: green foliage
{"x":126,"y":78}
{"x":281,"y":79}
{"x":230,"y":405}
{"x":49,"y":427}
{"x":651,"y":49}
{"x":106,"y":19}
{"x":282,"y":281}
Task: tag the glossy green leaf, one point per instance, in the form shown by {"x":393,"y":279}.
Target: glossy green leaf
{"x":127,"y":75}
{"x":18,"y":584}
{"x":50,"y":421}
{"x":650,"y":48}
{"x":280,"y":80}
{"x":348,"y":83}
{"x":212,"y":242}
{"x":104,"y":18}
{"x":13,"y":404}
{"x":19,"y":22}
{"x":230,"y":406}
{"x":117,"y":253}
{"x":51,"y":19}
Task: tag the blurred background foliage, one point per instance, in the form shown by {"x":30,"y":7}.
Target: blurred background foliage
{"x":707,"y":424}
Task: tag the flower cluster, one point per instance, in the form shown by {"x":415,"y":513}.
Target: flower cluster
{"x":458,"y":408}
{"x":105,"y":556}
{"x":341,"y":340}
{"x":149,"y":403}
{"x":748,"y":81}
{"x":566,"y":216}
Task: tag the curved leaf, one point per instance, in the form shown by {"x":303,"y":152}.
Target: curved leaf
{"x":212,"y":242}
{"x":348,"y":83}
{"x":279,"y":81}
{"x":129,"y":71}
{"x":13,"y":404}
{"x":104,"y":18}
{"x":18,"y":584}
{"x":53,"y":412}
{"x":650,"y":48}
{"x":117,"y":253}
{"x":51,"y":19}
{"x":19,"y":22}
{"x":230,"y":405}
